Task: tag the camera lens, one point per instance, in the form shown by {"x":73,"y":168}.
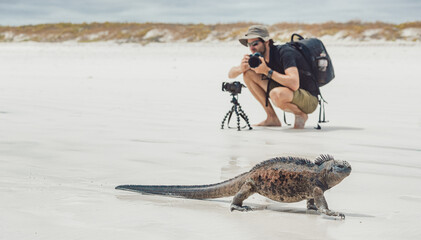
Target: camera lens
{"x":254,"y":60}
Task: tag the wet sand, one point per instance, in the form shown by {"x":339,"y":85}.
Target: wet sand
{"x":76,"y":120}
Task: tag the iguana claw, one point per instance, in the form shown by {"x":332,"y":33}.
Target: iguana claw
{"x":333,"y":214}
{"x":240,"y":208}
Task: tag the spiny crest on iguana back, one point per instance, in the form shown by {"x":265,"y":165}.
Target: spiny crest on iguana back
{"x":322,"y":159}
{"x":295,"y":160}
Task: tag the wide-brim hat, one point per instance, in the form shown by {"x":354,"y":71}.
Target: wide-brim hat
{"x":255,"y":31}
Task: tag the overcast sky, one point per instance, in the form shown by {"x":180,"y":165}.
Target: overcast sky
{"x":23,"y":12}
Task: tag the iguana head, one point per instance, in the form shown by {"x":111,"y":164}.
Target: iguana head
{"x":335,"y":170}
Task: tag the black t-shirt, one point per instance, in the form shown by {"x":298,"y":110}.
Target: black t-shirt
{"x":284,"y":56}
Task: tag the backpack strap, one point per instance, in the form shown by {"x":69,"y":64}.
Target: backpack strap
{"x":269,"y":81}
{"x":322,"y":102}
{"x":285,"y":120}
{"x":296,"y":34}
{"x":267,"y":89}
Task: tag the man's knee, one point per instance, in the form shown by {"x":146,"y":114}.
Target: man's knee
{"x":281,"y":96}
{"x":249,"y":76}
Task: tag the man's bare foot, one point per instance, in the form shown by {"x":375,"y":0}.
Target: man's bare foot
{"x":300,"y":121}
{"x":270,"y":122}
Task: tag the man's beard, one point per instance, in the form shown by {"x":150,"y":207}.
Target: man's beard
{"x":264,"y":51}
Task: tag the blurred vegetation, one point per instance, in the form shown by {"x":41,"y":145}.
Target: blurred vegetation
{"x":165,"y":32}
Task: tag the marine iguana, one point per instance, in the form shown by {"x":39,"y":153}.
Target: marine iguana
{"x":283,"y":179}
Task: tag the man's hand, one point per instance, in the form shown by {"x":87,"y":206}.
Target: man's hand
{"x":262,"y":68}
{"x":245,"y":63}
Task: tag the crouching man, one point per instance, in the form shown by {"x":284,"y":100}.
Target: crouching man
{"x":281,"y":76}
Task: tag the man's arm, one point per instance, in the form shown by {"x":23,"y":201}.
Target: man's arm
{"x":234,"y":72}
{"x":237,"y":70}
{"x":291,"y":78}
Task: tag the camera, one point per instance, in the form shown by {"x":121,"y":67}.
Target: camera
{"x":232,"y":87}
{"x":254,"y":60}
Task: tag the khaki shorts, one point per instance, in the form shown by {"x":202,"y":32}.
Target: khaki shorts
{"x":305,"y":101}
{"x":302,"y":98}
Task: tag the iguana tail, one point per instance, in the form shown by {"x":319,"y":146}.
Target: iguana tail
{"x":223,"y":189}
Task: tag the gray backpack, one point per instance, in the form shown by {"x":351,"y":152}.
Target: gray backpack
{"x":315,"y":53}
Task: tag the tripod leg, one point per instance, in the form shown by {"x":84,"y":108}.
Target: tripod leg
{"x":229,"y":117}
{"x":229,"y":113}
{"x":238,"y":118}
{"x":244,"y":116}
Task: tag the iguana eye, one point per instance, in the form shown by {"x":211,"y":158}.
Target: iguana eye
{"x":341,"y":166}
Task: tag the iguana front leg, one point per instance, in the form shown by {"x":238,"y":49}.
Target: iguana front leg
{"x":237,"y":202}
{"x":310,"y":205}
{"x":321,"y":204}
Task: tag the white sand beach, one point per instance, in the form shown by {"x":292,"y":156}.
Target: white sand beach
{"x":77,"y":119}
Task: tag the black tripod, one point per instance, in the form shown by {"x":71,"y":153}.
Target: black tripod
{"x":238,"y":111}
